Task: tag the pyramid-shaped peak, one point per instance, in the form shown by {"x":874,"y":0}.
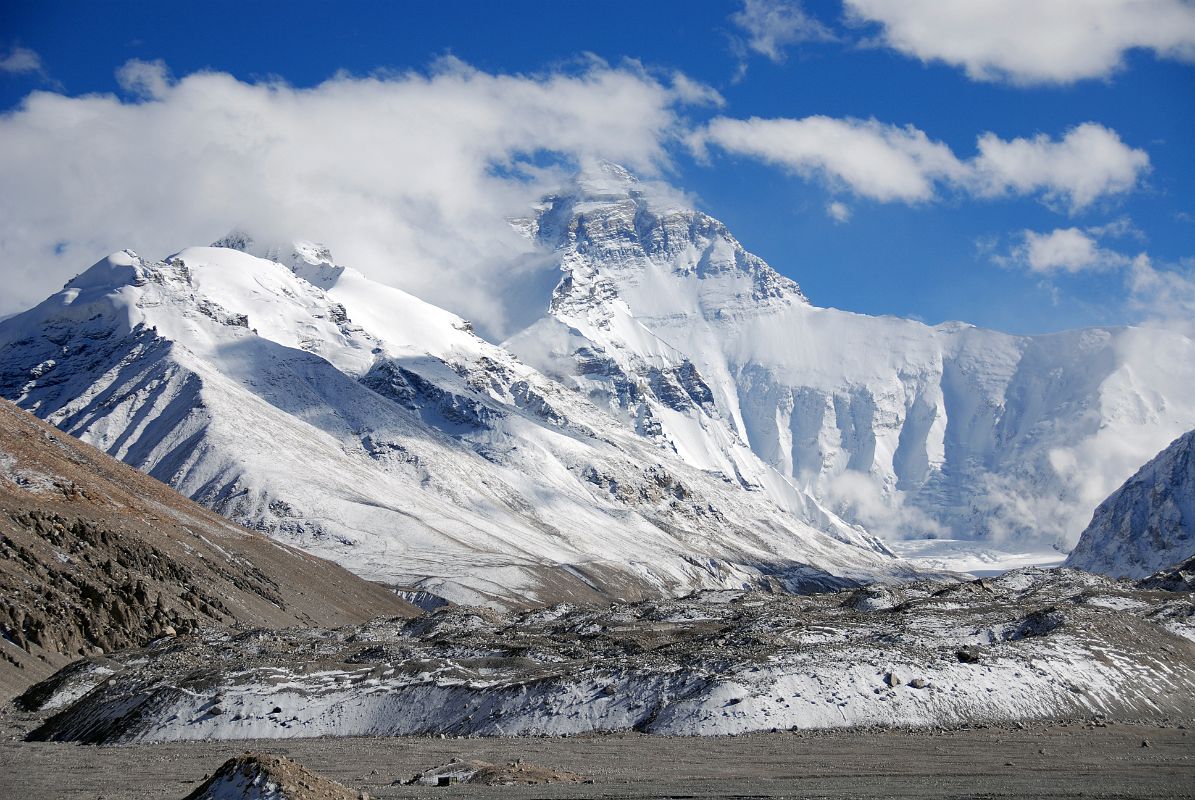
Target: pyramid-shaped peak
{"x":118,"y":269}
{"x":275,"y":249}
{"x":605,"y":179}
{"x":604,"y":183}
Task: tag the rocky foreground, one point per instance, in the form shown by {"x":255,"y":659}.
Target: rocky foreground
{"x":1030,"y":645}
{"x":257,"y":776}
{"x":1100,"y":760}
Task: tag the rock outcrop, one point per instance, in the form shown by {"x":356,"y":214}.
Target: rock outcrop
{"x":1148,"y":524}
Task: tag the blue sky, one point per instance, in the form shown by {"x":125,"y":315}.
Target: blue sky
{"x":962,"y":251}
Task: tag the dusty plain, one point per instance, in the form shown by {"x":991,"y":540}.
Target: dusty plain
{"x":1055,"y":760}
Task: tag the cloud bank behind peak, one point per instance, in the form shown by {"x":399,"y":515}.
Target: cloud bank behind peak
{"x":410,"y":177}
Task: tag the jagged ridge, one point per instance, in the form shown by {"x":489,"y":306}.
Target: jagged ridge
{"x":1148,"y":524}
{"x":363,"y":425}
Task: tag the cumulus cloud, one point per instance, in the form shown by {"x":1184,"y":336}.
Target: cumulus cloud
{"x":21,"y":61}
{"x":891,"y":163}
{"x":1089,"y":162}
{"x":838,"y":211}
{"x":409,"y":177}
{"x":1065,"y":250}
{"x":773,"y":26}
{"x":1157,"y":295}
{"x":1032,"y":41}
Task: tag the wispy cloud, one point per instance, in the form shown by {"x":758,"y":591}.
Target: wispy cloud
{"x":838,"y":211}
{"x":1165,"y":295}
{"x":21,"y":61}
{"x":771,"y":27}
{"x":1158,"y":294}
{"x":866,"y":157}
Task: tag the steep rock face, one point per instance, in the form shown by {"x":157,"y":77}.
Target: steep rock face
{"x":911,"y":430}
{"x":1148,"y":524}
{"x":95,"y":556}
{"x":363,"y":425}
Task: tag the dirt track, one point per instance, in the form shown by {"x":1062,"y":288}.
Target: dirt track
{"x":1069,"y":761}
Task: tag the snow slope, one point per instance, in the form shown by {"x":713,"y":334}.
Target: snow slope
{"x":365,"y":426}
{"x":1148,"y":524}
{"x":1003,"y":443}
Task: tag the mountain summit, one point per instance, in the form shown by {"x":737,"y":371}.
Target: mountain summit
{"x":680,"y":417}
{"x":364,"y":425}
{"x":978,"y":440}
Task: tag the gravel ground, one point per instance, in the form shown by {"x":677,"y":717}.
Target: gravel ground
{"x":1057,"y":760}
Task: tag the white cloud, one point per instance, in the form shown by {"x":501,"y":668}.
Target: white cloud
{"x":1089,"y":162}
{"x":1032,"y":41}
{"x":409,"y":177}
{"x":148,"y":80}
{"x":1158,"y":297}
{"x":838,"y":211}
{"x":891,"y":163}
{"x":859,"y":497}
{"x":772,"y":26}
{"x":20,"y":61}
{"x":1163,"y":295}
{"x":1065,"y":250}
{"x":694,"y":92}
{"x":871,"y":159}
{"x":1119,"y":228}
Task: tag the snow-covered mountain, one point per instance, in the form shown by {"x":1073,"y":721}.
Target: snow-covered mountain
{"x":368,"y":427}
{"x":681,"y":417}
{"x":1148,"y":524}
{"x":991,"y":441}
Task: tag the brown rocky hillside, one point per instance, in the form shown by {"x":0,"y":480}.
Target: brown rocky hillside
{"x":96,"y":556}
